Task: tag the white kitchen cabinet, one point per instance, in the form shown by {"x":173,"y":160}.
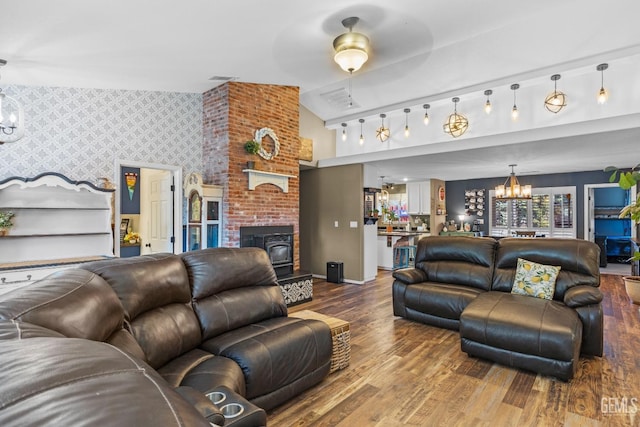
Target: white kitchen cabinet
{"x":419,"y":197}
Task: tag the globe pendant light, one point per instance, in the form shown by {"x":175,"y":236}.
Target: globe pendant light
{"x":456,"y":124}
{"x":556,"y":100}
{"x":382,"y":133}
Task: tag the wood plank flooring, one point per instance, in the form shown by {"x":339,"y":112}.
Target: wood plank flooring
{"x":403,"y":373}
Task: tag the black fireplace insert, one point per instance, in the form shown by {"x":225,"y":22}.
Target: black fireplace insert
{"x":277,"y":241}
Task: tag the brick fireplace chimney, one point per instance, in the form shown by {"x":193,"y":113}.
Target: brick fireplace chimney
{"x":232,"y":113}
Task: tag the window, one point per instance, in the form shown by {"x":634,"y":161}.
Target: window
{"x":550,"y":212}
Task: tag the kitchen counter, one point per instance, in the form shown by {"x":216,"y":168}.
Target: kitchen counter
{"x":387,"y":241}
{"x":403,"y":233}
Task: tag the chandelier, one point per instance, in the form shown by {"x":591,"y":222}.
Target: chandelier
{"x":351,"y":48}
{"x":11,"y":117}
{"x":456,"y":124}
{"x":511,"y":189}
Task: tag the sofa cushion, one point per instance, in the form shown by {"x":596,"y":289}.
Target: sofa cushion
{"x":73,"y":382}
{"x":439,"y":299}
{"x":578,"y":260}
{"x":203,"y":371}
{"x":535,"y":280}
{"x":75,"y":303}
{"x":155,"y":293}
{"x":268,"y":357}
{"x":457,"y":260}
{"x":232,"y":288}
{"x":532,"y":326}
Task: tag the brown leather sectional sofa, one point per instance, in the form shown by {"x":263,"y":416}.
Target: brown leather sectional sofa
{"x":464,"y":283}
{"x":139,"y":341}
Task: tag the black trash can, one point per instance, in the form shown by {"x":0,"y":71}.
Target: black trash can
{"x":335,"y":272}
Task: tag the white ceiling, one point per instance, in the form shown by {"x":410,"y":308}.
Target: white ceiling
{"x":421,"y":50}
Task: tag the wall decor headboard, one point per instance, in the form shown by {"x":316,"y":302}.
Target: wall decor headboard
{"x":55,"y":218}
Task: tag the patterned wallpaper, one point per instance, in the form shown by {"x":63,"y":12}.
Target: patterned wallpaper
{"x":80,"y":132}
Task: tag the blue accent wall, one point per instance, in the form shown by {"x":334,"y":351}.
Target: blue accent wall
{"x":455,"y":192}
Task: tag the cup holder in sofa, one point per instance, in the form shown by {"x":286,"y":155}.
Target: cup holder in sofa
{"x":217,"y":397}
{"x":232,"y":410}
{"x":237,"y":411}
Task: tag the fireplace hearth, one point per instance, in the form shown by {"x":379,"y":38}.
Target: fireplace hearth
{"x":276,"y":240}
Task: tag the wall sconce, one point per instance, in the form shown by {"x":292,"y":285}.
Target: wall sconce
{"x":456,"y":124}
{"x":514,"y":110}
{"x":556,"y":100}
{"x":344,"y":131}
{"x":406,"y":122}
{"x":426,"y":114}
{"x":361,"y":135}
{"x":382,"y":133}
{"x":603,"y":95}
{"x":487,"y":105}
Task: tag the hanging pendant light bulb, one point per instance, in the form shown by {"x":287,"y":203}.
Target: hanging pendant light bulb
{"x":426,"y":114}
{"x":556,"y":100}
{"x":514,"y":111}
{"x":603,"y":95}
{"x":361,"y":134}
{"x":406,"y":122}
{"x":344,"y":131}
{"x":487,"y":105}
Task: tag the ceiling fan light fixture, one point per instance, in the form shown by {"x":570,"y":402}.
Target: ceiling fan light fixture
{"x":351,"y":49}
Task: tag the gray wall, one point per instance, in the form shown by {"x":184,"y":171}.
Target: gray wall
{"x":328,"y":195}
{"x":455,"y":191}
{"x":81,"y":132}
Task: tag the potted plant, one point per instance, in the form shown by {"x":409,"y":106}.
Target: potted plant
{"x":251,"y":147}
{"x":5,"y":221}
{"x":626,"y":180}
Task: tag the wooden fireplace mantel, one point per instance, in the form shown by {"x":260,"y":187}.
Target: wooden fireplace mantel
{"x":261,"y":177}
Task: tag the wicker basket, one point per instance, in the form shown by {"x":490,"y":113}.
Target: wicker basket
{"x":632,"y":285}
{"x":340,"y":337}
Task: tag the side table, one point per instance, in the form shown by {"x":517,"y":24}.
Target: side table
{"x":340,"y":336}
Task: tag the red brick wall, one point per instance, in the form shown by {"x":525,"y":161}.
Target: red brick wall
{"x":231,"y":114}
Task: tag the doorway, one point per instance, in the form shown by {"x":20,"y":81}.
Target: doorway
{"x":602,"y":225}
{"x":160,"y":214}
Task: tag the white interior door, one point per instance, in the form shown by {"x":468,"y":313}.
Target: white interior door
{"x":160,"y":208}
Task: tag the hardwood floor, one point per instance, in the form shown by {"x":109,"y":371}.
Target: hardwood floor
{"x":406,"y":373}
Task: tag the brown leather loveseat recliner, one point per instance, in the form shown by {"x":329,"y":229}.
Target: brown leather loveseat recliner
{"x":464,"y":283}
{"x":165,"y":326}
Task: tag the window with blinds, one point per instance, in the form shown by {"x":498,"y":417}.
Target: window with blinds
{"x":550,"y":212}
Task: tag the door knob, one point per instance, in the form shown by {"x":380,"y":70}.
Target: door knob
{"x":148,"y":245}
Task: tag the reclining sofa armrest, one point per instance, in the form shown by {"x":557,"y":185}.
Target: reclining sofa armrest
{"x":582,"y":295}
{"x":201,"y":402}
{"x":410,"y":275}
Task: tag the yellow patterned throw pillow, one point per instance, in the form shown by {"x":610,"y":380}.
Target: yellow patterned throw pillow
{"x":535,"y":280}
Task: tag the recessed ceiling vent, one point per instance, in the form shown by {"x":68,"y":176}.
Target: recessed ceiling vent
{"x":222,"y":78}
{"x":339,"y":98}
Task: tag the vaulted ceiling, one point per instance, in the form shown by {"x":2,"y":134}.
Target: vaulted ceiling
{"x":421,"y":52}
